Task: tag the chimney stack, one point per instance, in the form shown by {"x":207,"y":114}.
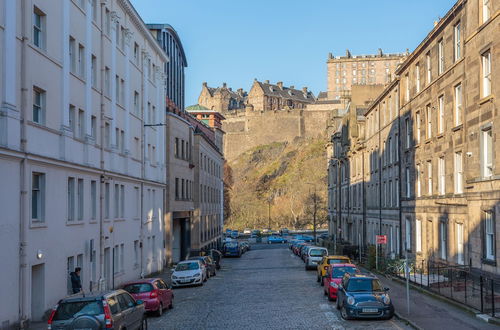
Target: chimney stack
{"x":304,"y":89}
{"x":224,"y":85}
{"x":280,"y":84}
{"x":380,"y":53}
{"x":347,"y":53}
{"x":230,"y":89}
{"x":266,"y":81}
{"x":240,"y":91}
{"x":204,"y":84}
{"x":292,"y":87}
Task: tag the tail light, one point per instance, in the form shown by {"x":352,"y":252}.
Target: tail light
{"x":154,"y":294}
{"x":107,"y":315}
{"x":51,"y":318}
{"x":326,"y":267}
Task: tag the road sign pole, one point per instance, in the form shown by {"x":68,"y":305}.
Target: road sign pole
{"x":376,"y":256}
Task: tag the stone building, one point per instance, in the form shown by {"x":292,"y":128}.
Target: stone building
{"x":83,"y":178}
{"x":346,"y":71}
{"x":433,"y":160}
{"x":222,"y":99}
{"x":264,"y":96}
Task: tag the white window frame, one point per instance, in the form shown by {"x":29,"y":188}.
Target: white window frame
{"x":458,"y":98}
{"x":39,"y":97}
{"x":429,"y":67}
{"x":408,"y":132}
{"x":441,"y":119}
{"x":418,"y":127}
{"x":459,"y":229}
{"x":72,"y":54}
{"x":486,"y":73}
{"x":489,"y":236}
{"x":486,"y":10}
{"x":441,"y":58}
{"x":419,"y":181}
{"x":443,"y":240}
{"x":39,"y":28}
{"x":408,"y":182}
{"x":80,"y":200}
{"x":487,"y":152}
{"x":71,"y":199}
{"x":418,"y":235}
{"x":458,"y":173}
{"x":457,"y":50}
{"x":417,"y":73}
{"x":441,"y":175}
{"x":93,"y":200}
{"x":37,"y":197}
{"x":429,"y":178}
{"x":428,"y":116}
{"x":408,"y":230}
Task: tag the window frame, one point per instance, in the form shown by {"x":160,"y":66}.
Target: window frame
{"x":39,"y":31}
{"x":39,"y":107}
{"x":489,"y":257}
{"x":40,"y":196}
{"x":458,"y":104}
{"x":457,"y":41}
{"x":486,"y":73}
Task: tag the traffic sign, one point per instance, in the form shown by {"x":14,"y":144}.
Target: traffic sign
{"x":381,"y":239}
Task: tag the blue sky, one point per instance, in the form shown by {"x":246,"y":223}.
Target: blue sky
{"x":235,"y":41}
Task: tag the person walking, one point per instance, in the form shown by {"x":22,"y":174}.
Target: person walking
{"x":76,"y":282}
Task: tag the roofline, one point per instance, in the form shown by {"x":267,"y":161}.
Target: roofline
{"x":381,"y":95}
{"x":172,"y":31}
{"x":450,"y":14}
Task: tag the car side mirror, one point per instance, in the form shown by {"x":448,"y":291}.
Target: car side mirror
{"x":386,"y":289}
{"x":139,"y":302}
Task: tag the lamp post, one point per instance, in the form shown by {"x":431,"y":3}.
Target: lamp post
{"x":269,"y":201}
{"x":315,"y":208}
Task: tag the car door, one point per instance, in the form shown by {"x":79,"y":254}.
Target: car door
{"x":126,"y":310}
{"x":115,"y":310}
{"x":168,"y":293}
{"x":136,"y":312}
{"x":161,"y":292}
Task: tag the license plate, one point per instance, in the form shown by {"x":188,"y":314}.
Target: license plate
{"x":370,"y":310}
{"x":184,"y":281}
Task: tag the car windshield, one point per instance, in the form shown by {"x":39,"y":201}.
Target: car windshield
{"x":69,"y":310}
{"x":138,"y":288}
{"x":336,"y":261}
{"x":232,"y":245}
{"x":338,"y":272}
{"x":317,"y":252}
{"x":187,"y":266}
{"x":363,"y":285}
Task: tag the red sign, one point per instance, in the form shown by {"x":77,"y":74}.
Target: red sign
{"x":381,"y":239}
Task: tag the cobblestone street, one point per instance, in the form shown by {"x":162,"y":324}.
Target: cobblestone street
{"x":267,"y":288}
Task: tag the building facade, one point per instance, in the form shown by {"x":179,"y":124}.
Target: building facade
{"x":346,"y":71}
{"x":83,"y":179}
{"x":429,"y":153}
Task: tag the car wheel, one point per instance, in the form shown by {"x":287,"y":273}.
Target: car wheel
{"x":343,"y":313}
{"x":214,"y":273}
{"x":322,"y":281}
{"x":159,"y":312}
{"x":389,"y":317}
{"x":317,"y":279}
{"x":144,"y":324}
{"x":324,"y":293}
{"x":330,"y":298}
{"x":337,"y":305}
{"x":171,"y":303}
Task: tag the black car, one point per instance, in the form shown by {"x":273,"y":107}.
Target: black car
{"x":209,"y":264}
{"x":362,"y":296}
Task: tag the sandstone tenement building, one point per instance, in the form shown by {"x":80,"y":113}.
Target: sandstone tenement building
{"x":346,"y":71}
{"x":427,"y":150}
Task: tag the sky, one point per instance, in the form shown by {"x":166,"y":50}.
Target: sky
{"x":235,"y":41}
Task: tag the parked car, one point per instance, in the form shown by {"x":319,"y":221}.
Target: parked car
{"x":189,"y":272}
{"x":314,"y":256}
{"x":216,"y":257}
{"x":255,"y":233}
{"x":209,"y":264}
{"x":228,"y":232}
{"x":115,"y":309}
{"x":329,"y":260}
{"x":266,"y":231}
{"x":275,"y":239}
{"x":334,"y":275}
{"x":303,"y":252}
{"x":235,"y":234}
{"x":296,"y":249}
{"x":245,"y":246}
{"x":305,"y":238}
{"x":362,"y":296}
{"x":284,"y":232}
{"x":156,"y":294}
{"x":246,"y":231}
{"x":232,"y":248}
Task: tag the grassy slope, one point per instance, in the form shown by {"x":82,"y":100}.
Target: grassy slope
{"x":281,"y":171}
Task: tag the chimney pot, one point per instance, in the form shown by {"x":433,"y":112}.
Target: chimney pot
{"x":292,"y":87}
{"x":205,"y":83}
{"x":230,"y":89}
{"x":266,"y":81}
{"x":224,"y":85}
{"x":304,"y":89}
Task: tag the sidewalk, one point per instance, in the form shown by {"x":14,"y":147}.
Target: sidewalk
{"x":427,"y":312}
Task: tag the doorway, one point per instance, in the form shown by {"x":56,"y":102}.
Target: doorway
{"x":37,"y":292}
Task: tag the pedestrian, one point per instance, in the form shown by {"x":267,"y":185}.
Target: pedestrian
{"x":76,"y":282}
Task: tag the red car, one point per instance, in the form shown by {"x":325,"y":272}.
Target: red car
{"x":156,"y":294}
{"x":334,"y":275}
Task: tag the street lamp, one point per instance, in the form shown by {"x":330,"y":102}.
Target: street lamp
{"x":314,"y":210}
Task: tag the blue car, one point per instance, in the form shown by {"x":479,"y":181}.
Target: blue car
{"x":232,"y":249}
{"x":275,"y":239}
{"x":304,"y":238}
{"x":362,"y":296}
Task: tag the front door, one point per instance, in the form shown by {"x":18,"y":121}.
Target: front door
{"x":37,"y":292}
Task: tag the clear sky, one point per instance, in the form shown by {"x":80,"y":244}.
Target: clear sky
{"x":235,"y":41}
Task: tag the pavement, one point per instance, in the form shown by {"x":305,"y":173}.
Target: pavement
{"x":427,"y":312}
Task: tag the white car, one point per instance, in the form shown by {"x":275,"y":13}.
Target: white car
{"x":247,"y":231}
{"x":189,"y":272}
{"x":314,"y":255}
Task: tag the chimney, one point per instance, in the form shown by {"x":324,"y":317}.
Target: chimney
{"x":330,"y":55}
{"x":292,"y":87}
{"x":347,"y":53}
{"x":435,"y":23}
{"x":266,"y":81}
{"x":240,"y":91}
{"x":280,"y":84}
{"x":380,"y":53}
{"x":204,"y":84}
{"x":224,"y":85}
{"x":230,"y":89}
{"x":304,"y":89}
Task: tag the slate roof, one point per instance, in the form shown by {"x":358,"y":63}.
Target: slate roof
{"x":287,"y":93}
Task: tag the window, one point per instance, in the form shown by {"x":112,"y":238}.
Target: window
{"x":122,"y":142}
{"x":458,"y":104}
{"x":419,"y":181}
{"x":418,"y":235}
{"x":80,"y":199}
{"x":117,"y":138}
{"x":486,"y":72}
{"x":122,"y":257}
{"x":429,"y":178}
{"x":441,"y":176}
{"x":457,"y":43}
{"x":71,"y":199}
{"x":137,"y":201}
{"x":37,"y":196}
{"x":107,"y":135}
{"x":81,"y":60}
{"x":72,"y":119}
{"x":93,"y":71}
{"x":93,"y":126}
{"x":38,"y":106}
{"x":429,"y":68}
{"x":108,"y":22}
{"x":408,"y":235}
{"x":117,"y":89}
{"x":417,"y":119}
{"x":443,"y":239}
{"x":136,"y":253}
{"x":408,"y":132}
{"x":122,"y":92}
{"x":440,"y":56}
{"x":122,"y":201}
{"x":417,"y":73}
{"x":487,"y":152}
{"x":93,"y":200}
{"x":176,"y":188}
{"x":137,"y":147}
{"x":81,"y":124}
{"x":136,"y":103}
{"x":136,"y":53}
{"x":459,"y":188}
{"x":117,"y":201}
{"x":459,"y":228}
{"x":407,"y":83}
{"x":428,"y":115}
{"x":486,"y":10}
{"x":72,"y":54}
{"x":408,"y":185}
{"x":94,"y":10}
{"x":116,"y":260}
{"x":38,"y":28}
{"x":441,"y":114}
{"x":489,"y":236}
{"x":107,"y":200}
{"x":107,"y":81}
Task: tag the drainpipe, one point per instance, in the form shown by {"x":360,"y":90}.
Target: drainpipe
{"x":24,"y":174}
{"x":379,"y":246}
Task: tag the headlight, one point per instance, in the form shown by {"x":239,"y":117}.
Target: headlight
{"x":387,"y":300}
{"x":334,"y":285}
{"x":174,"y":277}
{"x":197,"y":275}
{"x":350,"y":301}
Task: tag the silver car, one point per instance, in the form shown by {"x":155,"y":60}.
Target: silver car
{"x":314,"y":254}
{"x":110,"y":310}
